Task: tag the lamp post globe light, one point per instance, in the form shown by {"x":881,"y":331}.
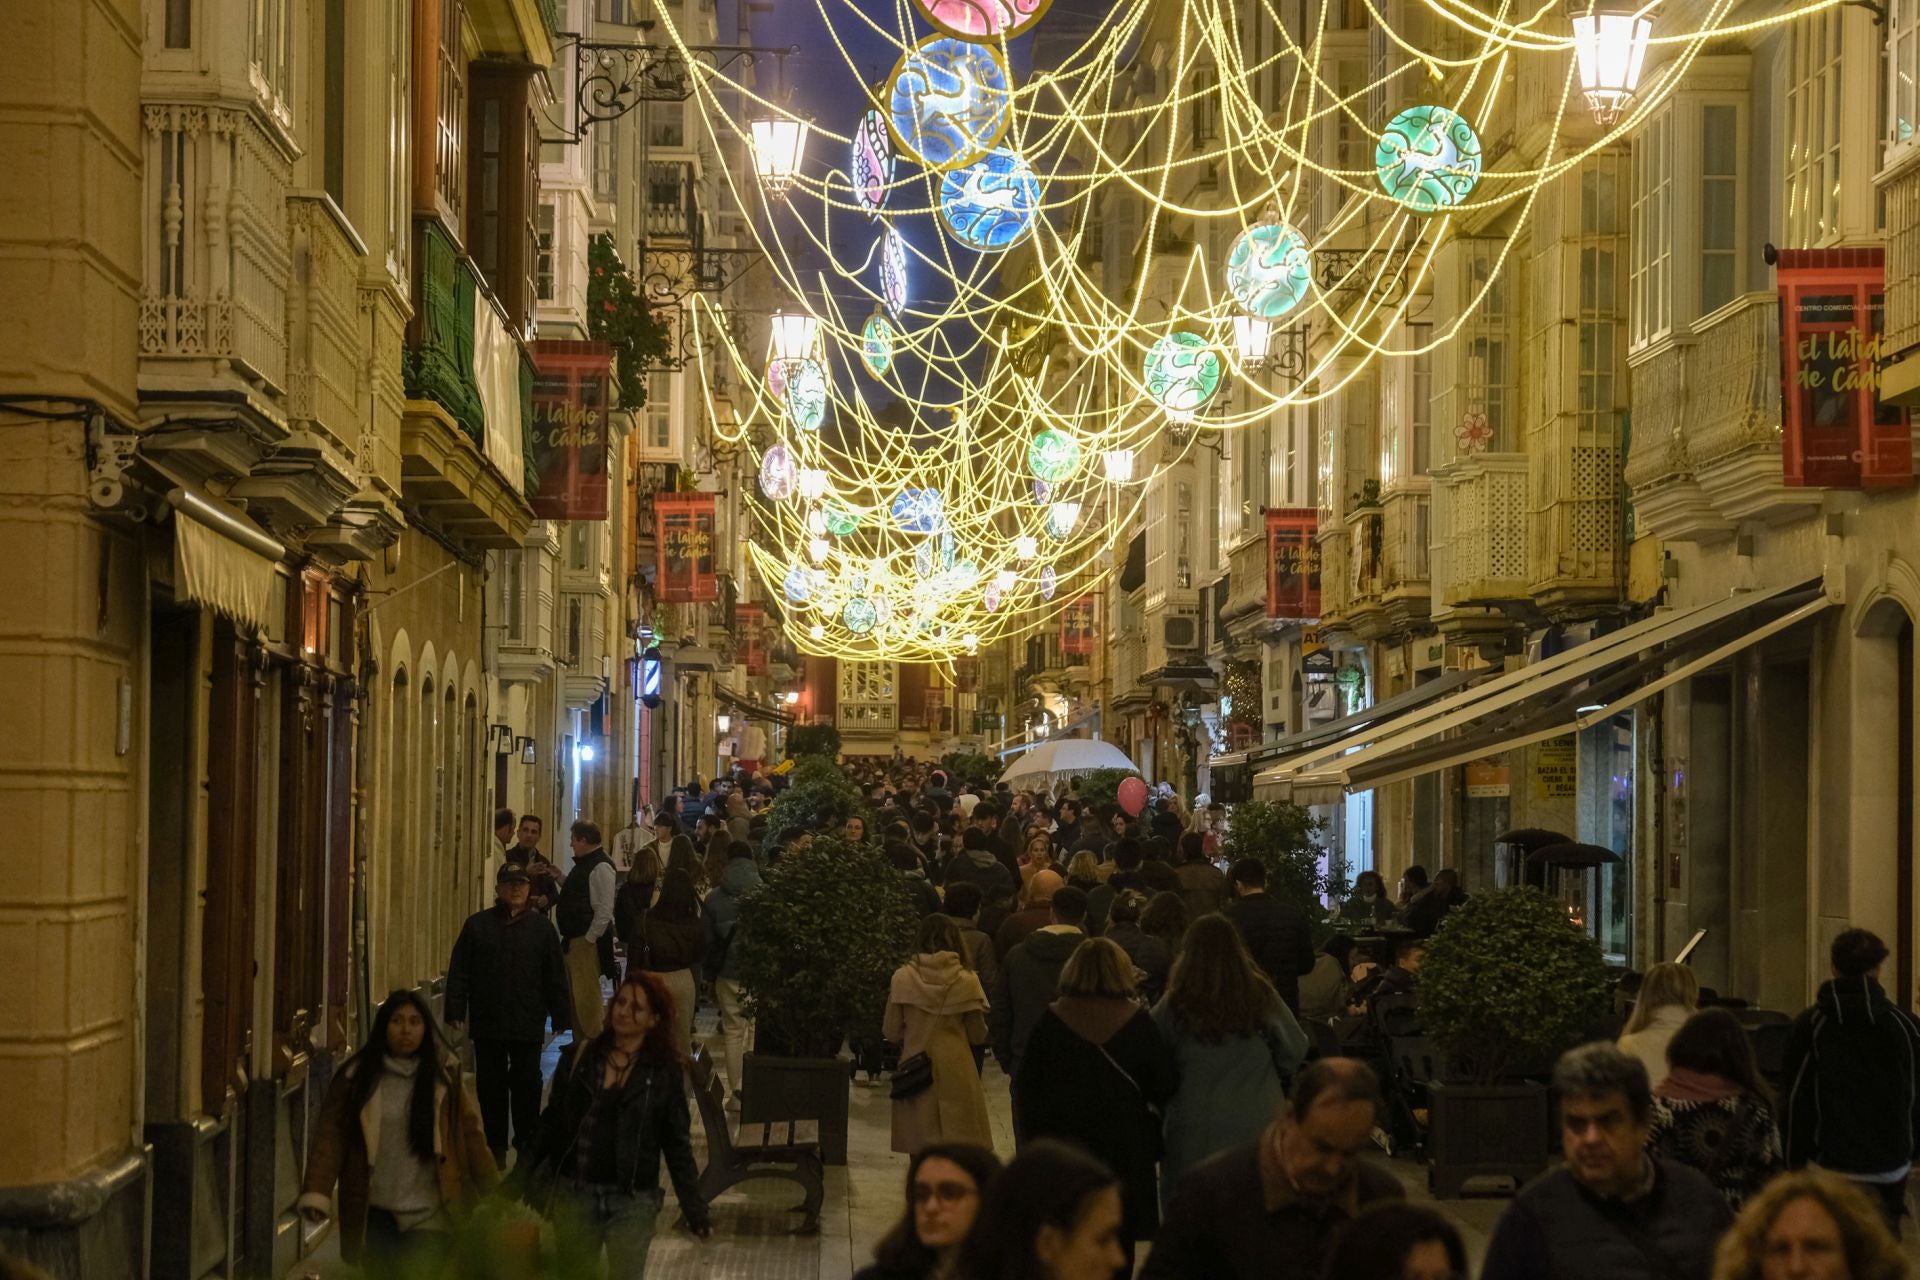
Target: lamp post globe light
{"x":794,"y":334}
{"x":1252,"y":336}
{"x":1610,"y":47}
{"x":779,"y":145}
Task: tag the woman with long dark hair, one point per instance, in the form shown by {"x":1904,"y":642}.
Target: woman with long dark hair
{"x":1053,"y":1214}
{"x":669,"y":939}
{"x":682,"y":856}
{"x":1713,"y":1111}
{"x":618,"y":1106}
{"x":400,"y":1136}
{"x":1397,"y":1241}
{"x":1165,"y":917}
{"x":1236,"y":1042}
{"x":946,"y":1183}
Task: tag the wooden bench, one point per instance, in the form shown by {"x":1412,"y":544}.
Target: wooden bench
{"x":788,"y":1149}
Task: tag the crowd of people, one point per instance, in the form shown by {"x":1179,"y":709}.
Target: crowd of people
{"x":1191,"y":1078}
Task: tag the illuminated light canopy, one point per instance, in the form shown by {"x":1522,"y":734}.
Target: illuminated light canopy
{"x":949,"y":101}
{"x":872,"y":162}
{"x":1026,"y":546}
{"x":806,"y":394}
{"x":799,"y":584}
{"x":983,"y":19}
{"x":1053,"y":456}
{"x":991,"y":204}
{"x":1049,"y":582}
{"x":795,"y":334}
{"x":1005,"y":579}
{"x":1061,"y":517}
{"x":1610,"y":47}
{"x":1428,"y":158}
{"x":779,"y":146}
{"x":1269,"y":269}
{"x":1252,"y":337}
{"x":859,"y":615}
{"x":817,"y":632}
{"x":1117,"y":464}
{"x":893,"y":271}
{"x":777,"y":473}
{"x":1182,"y":372}
{"x":919,"y":511}
{"x":876,"y":344}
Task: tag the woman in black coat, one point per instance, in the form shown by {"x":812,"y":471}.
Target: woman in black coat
{"x":1096,"y":1073}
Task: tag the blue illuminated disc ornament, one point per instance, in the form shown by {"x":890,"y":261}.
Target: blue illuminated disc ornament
{"x":1042,"y":491}
{"x":893,"y":271}
{"x":871,"y":164}
{"x":1428,"y":158}
{"x":799,"y":584}
{"x":1048,"y":583}
{"x":777,"y":473}
{"x":919,"y":510}
{"x":807,"y":394}
{"x":1053,"y":456}
{"x":991,"y":204}
{"x":876,"y":344}
{"x":1182,"y":372}
{"x":1269,"y":269}
{"x":949,"y":101}
{"x":859,"y":615}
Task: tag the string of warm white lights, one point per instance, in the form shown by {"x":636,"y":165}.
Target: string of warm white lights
{"x":1036,"y":386}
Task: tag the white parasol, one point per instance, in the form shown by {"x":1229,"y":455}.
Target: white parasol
{"x":1066,"y":758}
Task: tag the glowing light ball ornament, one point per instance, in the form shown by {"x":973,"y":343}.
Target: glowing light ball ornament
{"x":919,"y":511}
{"x":859,"y":616}
{"x":990,"y":205}
{"x":893,"y":271}
{"x":1269,"y":269}
{"x":807,"y":394}
{"x":777,"y":473}
{"x":840,"y":521}
{"x":877,"y":337}
{"x":872,"y":162}
{"x":799,"y":584}
{"x":1428,"y":158}
{"x":983,"y":19}
{"x":1182,"y":372}
{"x":949,"y":101}
{"x":1053,"y":456}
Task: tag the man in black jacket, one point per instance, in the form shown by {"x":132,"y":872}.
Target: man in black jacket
{"x":505,"y":980}
{"x":1029,"y":978}
{"x":1275,"y":932}
{"x":1853,"y":1106}
{"x":1269,"y":1209}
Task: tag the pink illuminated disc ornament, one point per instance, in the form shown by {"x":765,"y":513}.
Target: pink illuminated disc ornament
{"x":777,"y":379}
{"x":984,"y":19}
{"x":871,"y":163}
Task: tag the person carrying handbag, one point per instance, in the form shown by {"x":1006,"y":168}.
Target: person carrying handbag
{"x":937,"y":1012}
{"x":669,"y":939}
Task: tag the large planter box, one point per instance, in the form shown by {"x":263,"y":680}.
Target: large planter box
{"x":1487,"y":1131}
{"x":814,"y":1089}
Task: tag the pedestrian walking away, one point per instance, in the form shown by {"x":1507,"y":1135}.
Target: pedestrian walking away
{"x":585,"y":917}
{"x":670,"y":939}
{"x":1668,"y":996}
{"x":1028,"y":981}
{"x":722,"y":915}
{"x":946,"y":1182}
{"x":398,"y":1143}
{"x":506,"y":979}
{"x":1713,"y":1112}
{"x":936,"y":1012}
{"x":618,"y":1108}
{"x":1276,"y":932}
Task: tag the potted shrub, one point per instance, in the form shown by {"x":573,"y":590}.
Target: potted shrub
{"x":818,"y":945}
{"x":1507,"y":982}
{"x":1286,"y":838}
{"x":818,"y":797}
{"x":805,"y":740}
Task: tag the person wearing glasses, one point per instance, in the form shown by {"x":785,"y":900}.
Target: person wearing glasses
{"x":945,"y":1183}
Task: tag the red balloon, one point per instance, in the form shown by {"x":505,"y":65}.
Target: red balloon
{"x":1132,"y":796}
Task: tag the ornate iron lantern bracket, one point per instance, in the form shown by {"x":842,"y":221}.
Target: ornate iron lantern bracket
{"x":611,"y":79}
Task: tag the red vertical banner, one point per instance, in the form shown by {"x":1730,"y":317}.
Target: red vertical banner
{"x":1836,"y":432}
{"x":683,"y":529}
{"x":569,"y":429}
{"x":1293,"y":563}
{"x":1077,"y":627}
{"x":750,"y":638}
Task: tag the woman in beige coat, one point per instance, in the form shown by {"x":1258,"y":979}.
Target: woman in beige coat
{"x":937,"y":1006}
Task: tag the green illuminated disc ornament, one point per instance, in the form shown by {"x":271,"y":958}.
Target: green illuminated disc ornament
{"x":1269,"y":269}
{"x":876,"y":344}
{"x":841,"y":522}
{"x":1428,"y":158}
{"x":806,"y":394}
{"x":1182,"y":372}
{"x":1053,"y":456}
{"x":859,"y":616}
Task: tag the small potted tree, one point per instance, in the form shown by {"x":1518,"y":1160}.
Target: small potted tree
{"x":1286,"y":838}
{"x":817,"y":797}
{"x":1507,"y":983}
{"x":818,"y":945}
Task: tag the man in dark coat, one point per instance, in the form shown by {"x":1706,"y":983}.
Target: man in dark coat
{"x":1029,"y":978}
{"x":1275,"y":932}
{"x":506,"y":978}
{"x":1035,"y":916}
{"x":1612,"y":1210}
{"x":1853,"y":1078}
{"x":1268,"y":1210}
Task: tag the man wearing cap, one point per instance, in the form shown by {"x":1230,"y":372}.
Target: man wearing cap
{"x":506,"y":978}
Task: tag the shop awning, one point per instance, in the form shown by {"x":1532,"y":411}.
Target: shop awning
{"x":1573,"y":690}
{"x":223,"y":560}
{"x":1351,"y":732}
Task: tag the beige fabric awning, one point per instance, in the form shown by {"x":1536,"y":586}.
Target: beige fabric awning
{"x":223,"y":560}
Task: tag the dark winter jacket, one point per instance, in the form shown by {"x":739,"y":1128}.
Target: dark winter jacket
{"x":1020,"y":926}
{"x":1203,"y":887}
{"x":1280,"y":939}
{"x":574,"y":912}
{"x":1232,"y":1217}
{"x":1150,"y":955}
{"x":1159,"y":876}
{"x":1096,"y":1073}
{"x":1100,"y":899}
{"x":663,"y":945}
{"x":920,"y":891}
{"x":650,"y":1121}
{"x":722,"y":912}
{"x":1556,"y":1229}
{"x":1027,"y":983}
{"x":1425,"y":912}
{"x":981,"y":868}
{"x":507,"y":977}
{"x":1851,"y":1061}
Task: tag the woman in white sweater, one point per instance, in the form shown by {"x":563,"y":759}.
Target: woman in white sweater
{"x":1669,"y":994}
